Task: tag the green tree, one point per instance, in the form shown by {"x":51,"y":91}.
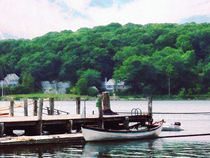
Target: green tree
{"x":92,"y":76}
{"x":82,"y":86}
{"x":28,"y":81}
{"x":139,"y":73}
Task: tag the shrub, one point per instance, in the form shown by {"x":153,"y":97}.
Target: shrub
{"x":92,"y":91}
{"x":82,"y":86}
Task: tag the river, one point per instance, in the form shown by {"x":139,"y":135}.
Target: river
{"x":198,"y":146}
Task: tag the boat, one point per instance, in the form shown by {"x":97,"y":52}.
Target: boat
{"x":172,"y":127}
{"x":141,"y":132}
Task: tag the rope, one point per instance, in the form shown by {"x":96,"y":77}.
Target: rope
{"x":186,"y":135}
{"x":173,"y":113}
{"x":191,"y":113}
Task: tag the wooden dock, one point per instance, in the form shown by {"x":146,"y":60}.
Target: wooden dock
{"x":62,"y":123}
{"x":62,"y":127}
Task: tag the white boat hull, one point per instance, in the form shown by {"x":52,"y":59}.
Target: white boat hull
{"x":92,"y":134}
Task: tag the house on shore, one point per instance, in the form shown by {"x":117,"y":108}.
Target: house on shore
{"x":11,"y":80}
{"x":111,"y":85}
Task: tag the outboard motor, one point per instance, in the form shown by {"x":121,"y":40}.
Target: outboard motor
{"x":177,"y":123}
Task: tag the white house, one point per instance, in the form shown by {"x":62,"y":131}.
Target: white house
{"x":111,"y":85}
{"x":11,"y":80}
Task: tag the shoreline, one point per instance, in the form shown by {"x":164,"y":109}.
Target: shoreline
{"x":70,"y":97}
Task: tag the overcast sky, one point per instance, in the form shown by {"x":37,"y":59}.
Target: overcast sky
{"x":32,"y":18}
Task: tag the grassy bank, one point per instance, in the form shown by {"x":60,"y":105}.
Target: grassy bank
{"x":166,"y":97}
{"x":41,"y":95}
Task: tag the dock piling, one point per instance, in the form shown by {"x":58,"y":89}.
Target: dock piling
{"x":106,"y":101}
{"x":11,"y":108}
{"x":150,"y":108}
{"x":84,"y":109}
{"x":1,"y":129}
{"x":25,"y":107}
{"x":52,"y":106}
{"x":69,"y":126}
{"x":77,"y":105}
{"x":39,"y":125}
{"x":35,"y":107}
{"x":40,"y":109}
{"x":101,"y":122}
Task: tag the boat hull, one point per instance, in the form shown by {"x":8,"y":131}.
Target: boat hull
{"x":93,"y":134}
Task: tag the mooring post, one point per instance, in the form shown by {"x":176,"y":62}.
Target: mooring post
{"x":12,"y":108}
{"x":77,"y":105}
{"x":126,"y":122}
{"x":25,"y":107}
{"x":1,"y":129}
{"x":40,"y":117}
{"x":150,"y":109}
{"x":84,"y":111}
{"x":52,"y":106}
{"x":100,"y":111}
{"x":40,"y":108}
{"x":35,"y":107}
{"x":69,"y":126}
{"x":106,"y":101}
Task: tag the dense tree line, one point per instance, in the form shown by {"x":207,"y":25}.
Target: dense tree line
{"x":148,"y":58}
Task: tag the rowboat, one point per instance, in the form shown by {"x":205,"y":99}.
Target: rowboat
{"x":142,"y":132}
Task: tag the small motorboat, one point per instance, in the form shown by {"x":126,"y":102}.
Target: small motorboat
{"x":172,"y":127}
{"x":141,"y":132}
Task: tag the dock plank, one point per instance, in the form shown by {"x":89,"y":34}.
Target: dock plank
{"x":44,"y":139}
{"x":60,"y":117}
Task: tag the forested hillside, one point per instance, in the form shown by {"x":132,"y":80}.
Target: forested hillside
{"x":146,"y":57}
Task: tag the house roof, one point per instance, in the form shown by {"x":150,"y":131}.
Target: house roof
{"x":11,"y":77}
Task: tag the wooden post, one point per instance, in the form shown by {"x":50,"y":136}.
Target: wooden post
{"x":106,"y":101}
{"x":78,"y":105}
{"x":52,"y":107}
{"x":150,"y":109}
{"x":35,"y":107}
{"x":40,"y":117}
{"x":100,"y":111}
{"x":126,"y":122}
{"x":84,"y":108}
{"x":25,"y":107}
{"x":1,"y":129}
{"x":40,"y":108}
{"x":150,"y":106}
{"x":12,"y":108}
{"x":48,"y":111}
{"x":69,"y":126}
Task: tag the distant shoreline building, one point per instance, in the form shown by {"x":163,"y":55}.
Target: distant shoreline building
{"x":111,"y":85}
{"x":11,"y":80}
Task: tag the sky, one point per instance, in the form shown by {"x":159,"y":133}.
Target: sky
{"x":32,"y":18}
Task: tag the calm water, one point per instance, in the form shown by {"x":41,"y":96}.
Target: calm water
{"x":162,"y":147}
